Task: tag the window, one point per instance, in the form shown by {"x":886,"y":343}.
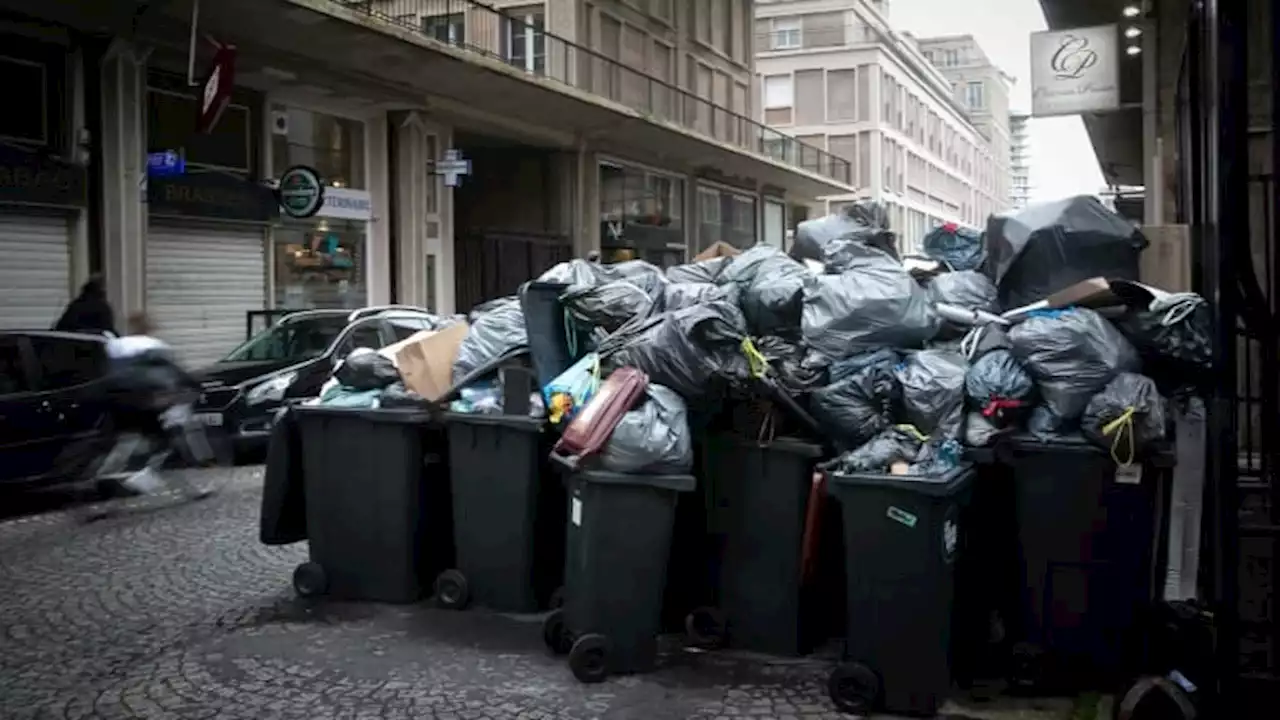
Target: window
{"x":785,"y":34}
{"x":332,"y":145}
{"x":25,"y":121}
{"x":365,"y":335}
{"x":778,"y":92}
{"x":406,"y":327}
{"x":775,"y":223}
{"x":725,"y":216}
{"x":842,"y":94}
{"x":525,"y":41}
{"x":709,"y":207}
{"x":171,"y":125}
{"x":68,"y":363}
{"x":639,"y":208}
{"x":292,"y":340}
{"x":975,"y":96}
{"x":450,"y":28}
{"x":320,"y":265}
{"x":660,"y":9}
{"x":13,"y":372}
{"x":950,"y":58}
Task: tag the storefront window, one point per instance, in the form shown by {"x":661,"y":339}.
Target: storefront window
{"x":320,"y":265}
{"x":726,"y":216}
{"x":775,"y":223}
{"x":641,"y":212}
{"x":332,"y":145}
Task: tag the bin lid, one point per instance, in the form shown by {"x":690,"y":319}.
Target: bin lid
{"x":953,"y":482}
{"x":793,"y":446}
{"x":392,"y":416}
{"x":1160,"y":454}
{"x":678,"y":483}
{"x":514,"y":422}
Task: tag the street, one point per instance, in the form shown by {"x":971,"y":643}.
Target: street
{"x":169,"y":609}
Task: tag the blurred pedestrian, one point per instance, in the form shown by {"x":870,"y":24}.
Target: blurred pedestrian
{"x":89,"y":312}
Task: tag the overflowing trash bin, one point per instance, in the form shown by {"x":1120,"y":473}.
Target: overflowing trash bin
{"x":508,"y":515}
{"x":378,"y":515}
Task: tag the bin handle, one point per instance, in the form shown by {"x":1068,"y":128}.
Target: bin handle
{"x":569,"y":462}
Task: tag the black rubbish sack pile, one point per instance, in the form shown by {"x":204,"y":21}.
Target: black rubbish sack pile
{"x":685,"y":350}
{"x":828,"y":240}
{"x":652,"y":438}
{"x":933,"y":391}
{"x":770,"y":289}
{"x":862,"y":399}
{"x":497,"y":328}
{"x":609,"y":305}
{"x":957,"y":248}
{"x":1127,"y":417}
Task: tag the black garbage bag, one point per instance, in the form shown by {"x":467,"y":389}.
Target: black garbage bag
{"x":742,"y":269}
{"x":610,"y":305}
{"x":680,"y":295}
{"x":1072,"y":354}
{"x":644,"y":275}
{"x":1045,"y":425}
{"x":956,"y":247}
{"x":998,"y":386}
{"x":576,"y":272}
{"x":701,"y":271}
{"x":652,"y":438}
{"x":900,"y":443}
{"x":861,"y":400}
{"x":1127,"y":417}
{"x":793,"y":367}
{"x":396,"y":395}
{"x":980,"y":430}
{"x":874,"y":303}
{"x":933,"y":391}
{"x":772,"y":302}
{"x":827,"y":239}
{"x":1046,"y":247}
{"x":497,"y":328}
{"x":366,"y":369}
{"x":1172,"y":335}
{"x":684,"y":350}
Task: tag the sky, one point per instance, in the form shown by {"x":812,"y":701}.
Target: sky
{"x":1062,"y":158}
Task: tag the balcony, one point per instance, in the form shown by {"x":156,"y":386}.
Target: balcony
{"x":521,"y":41}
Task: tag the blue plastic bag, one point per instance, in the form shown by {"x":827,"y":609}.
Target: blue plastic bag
{"x":572,"y":389}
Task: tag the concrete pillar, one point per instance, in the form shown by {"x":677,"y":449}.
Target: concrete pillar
{"x":586,"y":236}
{"x":443,"y":247}
{"x":75,"y":150}
{"x":378,"y":269}
{"x":124,"y":147}
{"x":1152,"y":142}
{"x":411,"y":168}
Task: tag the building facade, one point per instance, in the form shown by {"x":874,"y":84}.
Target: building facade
{"x":837,"y":76}
{"x":1019,"y":160}
{"x":458,"y":147}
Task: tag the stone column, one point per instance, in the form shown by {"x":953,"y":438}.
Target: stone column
{"x":124,"y":147}
{"x":410,"y":168}
{"x":378,"y":272}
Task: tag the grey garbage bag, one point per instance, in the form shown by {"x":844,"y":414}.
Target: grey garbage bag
{"x":896,"y":444}
{"x":791,"y":364}
{"x":956,"y":247}
{"x":772,"y":301}
{"x":861,"y":400}
{"x":652,"y":438}
{"x":996,"y":382}
{"x":610,"y":305}
{"x":1072,"y":354}
{"x":827,"y":239}
{"x":937,"y":458}
{"x":1127,"y":417}
{"x":983,"y":339}
{"x":743,"y":268}
{"x":575,"y":272}
{"x":875,"y":302}
{"x":644,"y":275}
{"x":680,"y":295}
{"x":683,"y":350}
{"x":701,"y":271}
{"x":979,"y":430}
{"x":933,"y":391}
{"x":1045,"y":425}
{"x":496,"y":331}
{"x":366,"y":369}
{"x":968,"y":289}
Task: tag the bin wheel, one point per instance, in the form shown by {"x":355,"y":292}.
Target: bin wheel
{"x":1155,"y":698}
{"x":451,"y":590}
{"x":589,"y":658}
{"x":706,"y":627}
{"x":556,"y":601}
{"x":854,"y":688}
{"x":309,"y":580}
{"x":555,"y":633}
{"x":1026,"y":665}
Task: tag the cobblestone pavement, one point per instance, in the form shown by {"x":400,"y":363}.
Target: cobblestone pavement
{"x":174,"y":610}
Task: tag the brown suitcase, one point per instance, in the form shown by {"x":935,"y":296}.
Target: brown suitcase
{"x":587,"y":434}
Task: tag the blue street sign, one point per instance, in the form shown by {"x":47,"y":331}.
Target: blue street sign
{"x":165,"y":163}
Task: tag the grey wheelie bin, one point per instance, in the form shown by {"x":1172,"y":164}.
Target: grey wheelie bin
{"x":377,"y":503}
{"x":618,"y":540}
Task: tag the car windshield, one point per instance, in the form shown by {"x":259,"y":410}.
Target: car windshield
{"x":298,"y":339}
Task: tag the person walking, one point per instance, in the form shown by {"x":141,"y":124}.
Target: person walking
{"x":89,"y":312}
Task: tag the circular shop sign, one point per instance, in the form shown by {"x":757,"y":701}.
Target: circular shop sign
{"x":301,"y":192}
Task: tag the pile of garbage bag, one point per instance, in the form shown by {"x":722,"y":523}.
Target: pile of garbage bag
{"x":894,"y":364}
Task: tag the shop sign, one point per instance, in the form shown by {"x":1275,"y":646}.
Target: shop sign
{"x":165,"y":163}
{"x":301,"y":192}
{"x":212,"y":195}
{"x":453,"y":167}
{"x":346,"y":204}
{"x":1075,"y":71}
{"x":215,"y":93}
{"x":38,"y":179}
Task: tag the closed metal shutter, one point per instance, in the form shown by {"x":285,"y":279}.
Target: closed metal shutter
{"x":200,"y":283}
{"x":35,"y":271}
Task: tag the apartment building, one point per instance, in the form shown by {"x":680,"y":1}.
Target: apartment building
{"x":454,"y":147}
{"x":1019,"y":160}
{"x":838,"y":77}
{"x":982,"y":89}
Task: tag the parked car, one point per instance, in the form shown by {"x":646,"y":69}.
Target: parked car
{"x":52,"y":409}
{"x":289,"y":362}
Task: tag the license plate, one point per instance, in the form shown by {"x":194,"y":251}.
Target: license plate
{"x":211,"y":419}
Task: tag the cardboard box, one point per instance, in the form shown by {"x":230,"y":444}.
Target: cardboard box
{"x":426,"y":360}
{"x":717,"y":249}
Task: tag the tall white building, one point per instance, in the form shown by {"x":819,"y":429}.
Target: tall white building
{"x":1019,"y":160}
{"x":835,"y":75}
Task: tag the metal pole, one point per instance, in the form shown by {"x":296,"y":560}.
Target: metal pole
{"x":191,"y":46}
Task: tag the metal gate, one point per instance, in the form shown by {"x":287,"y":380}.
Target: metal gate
{"x":1226,"y":128}
{"x":495,"y":264}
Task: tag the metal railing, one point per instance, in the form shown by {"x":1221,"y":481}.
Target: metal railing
{"x":520,"y":39}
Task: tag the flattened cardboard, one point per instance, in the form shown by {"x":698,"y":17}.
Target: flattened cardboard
{"x":426,"y":360}
{"x":717,"y":249}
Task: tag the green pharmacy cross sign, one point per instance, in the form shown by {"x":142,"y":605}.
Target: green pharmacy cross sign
{"x":301,"y":192}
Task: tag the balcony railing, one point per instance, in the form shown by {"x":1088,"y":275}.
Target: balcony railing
{"x":518,"y":37}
